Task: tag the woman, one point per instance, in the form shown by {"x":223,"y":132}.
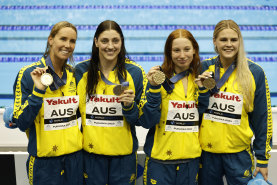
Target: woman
{"x":239,"y":107}
{"x":48,"y":113}
{"x":110,"y":87}
{"x":172,"y":146}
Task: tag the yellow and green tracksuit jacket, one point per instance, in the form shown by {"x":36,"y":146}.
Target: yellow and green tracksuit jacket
{"x":227,"y":127}
{"x":173,"y":134}
{"x":108,"y":126}
{"x":48,"y":117}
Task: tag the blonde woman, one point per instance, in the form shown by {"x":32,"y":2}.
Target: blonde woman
{"x":239,"y":108}
{"x":47,"y":112}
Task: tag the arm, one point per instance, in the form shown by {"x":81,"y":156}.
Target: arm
{"x":27,"y":100}
{"x":146,"y":105}
{"x":261,"y":121}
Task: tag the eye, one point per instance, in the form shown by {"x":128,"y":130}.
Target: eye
{"x":116,"y":40}
{"x":104,"y":41}
{"x":176,"y":50}
{"x":234,"y":39}
{"x":63,"y":38}
{"x":73,"y":41}
{"x":223,"y":39}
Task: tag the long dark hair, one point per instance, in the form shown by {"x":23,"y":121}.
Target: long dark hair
{"x":93,"y":69}
{"x":168,"y":65}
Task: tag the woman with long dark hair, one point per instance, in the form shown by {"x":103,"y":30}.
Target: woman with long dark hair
{"x":110,"y":87}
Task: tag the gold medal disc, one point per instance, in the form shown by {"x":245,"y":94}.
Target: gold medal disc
{"x":46,"y":79}
{"x":209,"y":83}
{"x":158,"y":77}
{"x":119,"y":89}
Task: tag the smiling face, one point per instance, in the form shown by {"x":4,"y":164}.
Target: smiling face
{"x":182,"y":54}
{"x":62,"y":45}
{"x":227,"y":45}
{"x":109,"y":43}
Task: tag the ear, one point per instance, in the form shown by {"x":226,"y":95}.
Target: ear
{"x":50,"y":40}
{"x":96,"y":42}
{"x":214,"y":42}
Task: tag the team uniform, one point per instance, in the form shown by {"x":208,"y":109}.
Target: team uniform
{"x":49,"y":119}
{"x":227,"y":129}
{"x":110,"y":141}
{"x":172,"y":145}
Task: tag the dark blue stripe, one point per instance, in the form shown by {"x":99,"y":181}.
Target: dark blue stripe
{"x":138,"y":58}
{"x":135,"y":7}
{"x":6,"y":96}
{"x":139,"y":27}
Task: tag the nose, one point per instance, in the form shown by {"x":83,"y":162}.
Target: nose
{"x":67,"y":44}
{"x":182,"y":54}
{"x":229,"y":43}
{"x":110,"y":44}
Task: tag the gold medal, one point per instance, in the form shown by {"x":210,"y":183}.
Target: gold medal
{"x":119,"y":89}
{"x":209,"y":83}
{"x":158,"y":77}
{"x":46,"y":79}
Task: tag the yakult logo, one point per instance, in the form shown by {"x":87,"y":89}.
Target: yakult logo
{"x":102,"y":99}
{"x":61,"y":101}
{"x":227,"y":97}
{"x":183,"y":105}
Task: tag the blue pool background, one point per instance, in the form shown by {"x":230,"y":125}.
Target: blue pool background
{"x":25,"y":26}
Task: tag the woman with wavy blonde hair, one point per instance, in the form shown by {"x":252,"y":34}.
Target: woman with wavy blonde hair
{"x":239,"y":108}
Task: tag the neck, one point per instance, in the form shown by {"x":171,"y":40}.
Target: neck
{"x":179,"y":70}
{"x":106,"y":67}
{"x":58,"y":65}
{"x":226,"y":63}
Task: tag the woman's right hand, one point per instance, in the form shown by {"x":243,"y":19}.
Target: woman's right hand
{"x":36,"y":75}
{"x":150,"y":74}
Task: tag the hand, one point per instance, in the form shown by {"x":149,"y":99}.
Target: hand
{"x":150,"y":75}
{"x":263,"y":171}
{"x":201,"y":77}
{"x":127,"y":97}
{"x":36,"y":75}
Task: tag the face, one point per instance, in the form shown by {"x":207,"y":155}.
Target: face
{"x":227,"y":44}
{"x":109,"y":44}
{"x":62,"y":45}
{"x":182,"y":54}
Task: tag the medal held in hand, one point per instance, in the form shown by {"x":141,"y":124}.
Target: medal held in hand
{"x":119,"y":89}
{"x":209,"y":83}
{"x":46,"y":79}
{"x":158,"y":77}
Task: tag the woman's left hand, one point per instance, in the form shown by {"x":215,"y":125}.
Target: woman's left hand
{"x":201,"y":77}
{"x":263,"y":171}
{"x":127,"y":97}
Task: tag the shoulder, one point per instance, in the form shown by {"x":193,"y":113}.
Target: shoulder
{"x":133,"y":68}
{"x":208,"y":62}
{"x":254,"y":67}
{"x":83,"y":66}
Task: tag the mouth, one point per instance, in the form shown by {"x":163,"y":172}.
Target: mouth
{"x":65,"y":52}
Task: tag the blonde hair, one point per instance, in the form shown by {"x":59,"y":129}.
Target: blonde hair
{"x":56,"y":28}
{"x":243,"y":75}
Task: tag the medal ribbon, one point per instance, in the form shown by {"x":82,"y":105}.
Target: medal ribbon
{"x":220,"y":81}
{"x":169,"y":83}
{"x":120,"y":78}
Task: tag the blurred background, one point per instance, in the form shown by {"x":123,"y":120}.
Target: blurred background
{"x":26,"y":24}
